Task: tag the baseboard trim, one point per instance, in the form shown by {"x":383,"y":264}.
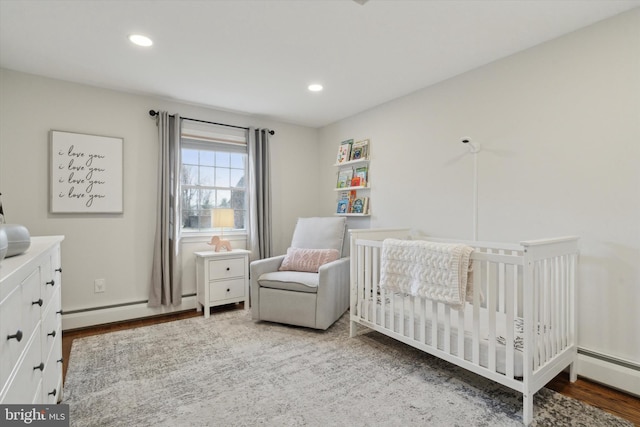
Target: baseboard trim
{"x":101,"y":315}
{"x":607,"y":371}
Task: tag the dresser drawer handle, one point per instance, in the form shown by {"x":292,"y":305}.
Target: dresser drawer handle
{"x":61,"y":360}
{"x":17,"y":336}
{"x":52,"y":283}
{"x":40,"y":366}
{"x":51,"y":334}
{"x":39,"y":302}
{"x":52,"y":393}
{"x":59,"y":270}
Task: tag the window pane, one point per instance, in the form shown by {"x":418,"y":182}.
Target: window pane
{"x":189,"y":175}
{"x":237,"y":178}
{"x":207,"y":199}
{"x":206,"y":175}
{"x":237,"y":160}
{"x":222,"y":177}
{"x":223,"y":199}
{"x":238,"y":199}
{"x":189,"y":199}
{"x":222,"y":159}
{"x":207,"y":158}
{"x":189,"y":157}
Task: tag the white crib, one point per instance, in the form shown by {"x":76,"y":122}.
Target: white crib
{"x":530,"y":286}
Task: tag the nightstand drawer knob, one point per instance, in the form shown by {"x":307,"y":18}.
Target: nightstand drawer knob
{"x":59,"y":270}
{"x":17,"y":336}
{"x":52,"y":393}
{"x":228,"y":290}
{"x":51,"y":282}
{"x":61,"y":360}
{"x":51,"y":334}
{"x":39,"y":302}
{"x":228,"y":268}
{"x":40,"y":366}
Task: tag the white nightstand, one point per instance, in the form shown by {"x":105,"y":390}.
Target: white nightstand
{"x":222,"y":278}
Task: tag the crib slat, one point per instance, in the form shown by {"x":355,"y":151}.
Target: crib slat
{"x":360,"y":278}
{"x":491,"y":307}
{"x":461,"y":333}
{"x":367,"y":283}
{"x":565,"y":301}
{"x":555,"y":283}
{"x":511,"y":302}
{"x":375,"y":278}
{"x":423,"y":320}
{"x":403,"y":298}
{"x":546,"y":320}
{"x":447,"y":329}
{"x":434,"y":324}
{"x":412,"y":318}
{"x":477,"y":286}
{"x":383,"y":308}
{"x":533,"y":323}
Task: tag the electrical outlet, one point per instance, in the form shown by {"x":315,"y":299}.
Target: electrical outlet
{"x":99,"y":285}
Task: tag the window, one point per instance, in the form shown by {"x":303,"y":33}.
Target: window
{"x":213,"y":175}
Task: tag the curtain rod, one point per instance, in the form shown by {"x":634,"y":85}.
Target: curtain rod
{"x":154,"y":113}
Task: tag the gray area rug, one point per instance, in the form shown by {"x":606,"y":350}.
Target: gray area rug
{"x":230,"y":371}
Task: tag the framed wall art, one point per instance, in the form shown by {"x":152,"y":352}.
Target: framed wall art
{"x":86,"y":173}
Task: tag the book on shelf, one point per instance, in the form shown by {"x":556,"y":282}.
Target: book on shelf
{"x":360,"y":205}
{"x":345,"y":202}
{"x":343,"y":206}
{"x":344,"y":151}
{"x":360,"y":150}
{"x":361,"y":173}
{"x":344,"y":178}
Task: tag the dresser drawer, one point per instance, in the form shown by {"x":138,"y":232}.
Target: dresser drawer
{"x":226,"y":289}
{"x":225,"y":268}
{"x":51,"y":324}
{"x":32,"y":303}
{"x":52,"y":377}
{"x":11,"y":324}
{"x":29,"y":375}
{"x":49,"y":280}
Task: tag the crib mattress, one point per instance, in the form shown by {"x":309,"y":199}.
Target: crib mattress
{"x":500,"y":349}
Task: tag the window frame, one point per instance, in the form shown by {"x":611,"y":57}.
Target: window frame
{"x":209,"y":138}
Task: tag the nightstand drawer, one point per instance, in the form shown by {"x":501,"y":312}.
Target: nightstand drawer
{"x":226,"y":289}
{"x":225,"y":268}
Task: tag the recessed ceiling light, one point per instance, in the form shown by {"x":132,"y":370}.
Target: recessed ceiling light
{"x":315,"y":87}
{"x":140,"y":40}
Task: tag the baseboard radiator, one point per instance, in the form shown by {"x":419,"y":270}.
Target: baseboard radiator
{"x":620,"y":374}
{"x":75,"y":319}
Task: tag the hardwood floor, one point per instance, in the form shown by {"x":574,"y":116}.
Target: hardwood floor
{"x":615,"y":402}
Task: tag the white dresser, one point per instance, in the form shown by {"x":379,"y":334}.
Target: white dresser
{"x":31,"y":325}
{"x":222,"y":278}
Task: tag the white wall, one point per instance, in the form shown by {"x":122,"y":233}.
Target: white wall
{"x":119,"y":247}
{"x":560,"y":129}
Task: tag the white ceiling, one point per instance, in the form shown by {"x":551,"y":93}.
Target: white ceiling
{"x":258,"y":56}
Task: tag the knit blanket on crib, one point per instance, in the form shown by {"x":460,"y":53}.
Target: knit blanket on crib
{"x":438,"y":271}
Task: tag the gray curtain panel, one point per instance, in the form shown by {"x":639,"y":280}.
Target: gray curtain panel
{"x":260,"y":192}
{"x":166,"y":275}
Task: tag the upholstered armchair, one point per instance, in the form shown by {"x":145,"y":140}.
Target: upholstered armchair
{"x":286,"y":289}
